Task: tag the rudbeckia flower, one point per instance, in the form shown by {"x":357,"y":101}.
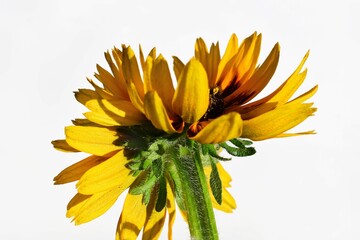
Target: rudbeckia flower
{"x":161,"y":144}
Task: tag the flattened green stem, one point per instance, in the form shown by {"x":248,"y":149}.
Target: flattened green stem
{"x":196,"y":195}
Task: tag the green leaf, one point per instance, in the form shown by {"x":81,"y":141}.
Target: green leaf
{"x":215,"y":183}
{"x":161,"y":200}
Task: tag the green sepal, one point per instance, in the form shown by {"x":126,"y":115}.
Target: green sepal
{"x":161,"y":200}
{"x":240,"y":150}
{"x":146,"y":183}
{"x":146,"y":196}
{"x":215,"y":183}
{"x":157,"y":167}
{"x":212,"y":152}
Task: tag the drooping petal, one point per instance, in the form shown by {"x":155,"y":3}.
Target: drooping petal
{"x":156,"y":112}
{"x":277,"y":121}
{"x":132,"y":218}
{"x":191,"y":98}
{"x":62,"y":145}
{"x":94,"y":140}
{"x":228,"y":203}
{"x":75,"y":171}
{"x":75,"y":204}
{"x":221,"y":129}
{"x":88,"y":208}
{"x":154,"y":220}
{"x":107,"y":175}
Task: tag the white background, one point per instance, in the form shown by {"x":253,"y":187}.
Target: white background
{"x":297,"y":188}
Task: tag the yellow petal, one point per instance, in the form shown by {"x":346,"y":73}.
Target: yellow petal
{"x":258,"y":80}
{"x":148,"y":65}
{"x":132,"y":218}
{"x":75,"y":204}
{"x":279,"y":97}
{"x":230,"y":51}
{"x":240,"y":67}
{"x":109,"y":82}
{"x":155,"y":111}
{"x":154,"y":220}
{"x":191,"y":98}
{"x":228,"y":203}
{"x":178,"y":67}
{"x":62,"y":145}
{"x":277,"y":121}
{"x":295,"y":134}
{"x":246,"y":64}
{"x":117,"y":73}
{"x":170,"y":205}
{"x":221,"y":129}
{"x":75,"y":171}
{"x":94,"y":206}
{"x":113,"y":113}
{"x":161,"y":81}
{"x":210,"y":60}
{"x":305,"y":96}
{"x":94,"y":140}
{"x":107,"y":175}
{"x":133,"y":80}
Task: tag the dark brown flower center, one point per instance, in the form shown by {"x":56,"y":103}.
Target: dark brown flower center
{"x":216,"y":105}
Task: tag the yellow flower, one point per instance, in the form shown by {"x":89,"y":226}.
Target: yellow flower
{"x":213,"y":93}
{"x":126,"y":99}
{"x":138,"y":125}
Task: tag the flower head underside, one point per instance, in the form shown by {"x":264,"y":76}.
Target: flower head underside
{"x":139,"y":126}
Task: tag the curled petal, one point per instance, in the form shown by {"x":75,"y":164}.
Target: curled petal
{"x":221,"y":129}
{"x":155,"y":111}
{"x":277,"y":121}
{"x":191,"y":98}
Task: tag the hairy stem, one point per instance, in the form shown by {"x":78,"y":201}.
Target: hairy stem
{"x":195,"y":194}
